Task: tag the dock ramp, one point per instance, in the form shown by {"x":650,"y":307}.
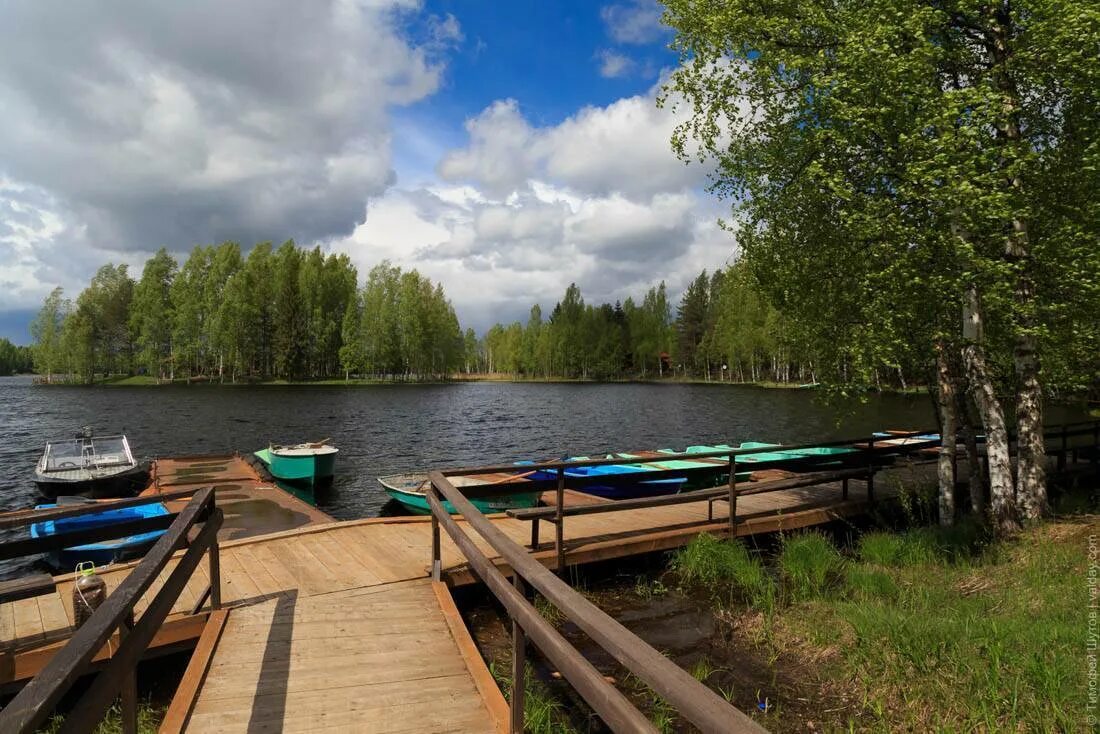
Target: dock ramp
{"x":389,"y":658}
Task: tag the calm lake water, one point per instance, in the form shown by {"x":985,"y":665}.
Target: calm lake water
{"x":391,"y":428}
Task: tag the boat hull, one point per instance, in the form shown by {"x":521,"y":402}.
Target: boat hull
{"x":418,"y":503}
{"x":412,"y":497}
{"x":655,"y":488}
{"x":620,"y":489}
{"x":121,"y":484}
{"x":103,"y":552}
{"x":305,"y":468}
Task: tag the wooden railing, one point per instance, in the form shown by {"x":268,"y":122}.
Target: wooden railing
{"x":868,"y":456}
{"x":38,"y":699}
{"x":695,"y":702}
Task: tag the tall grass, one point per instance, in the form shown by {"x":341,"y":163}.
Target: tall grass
{"x":543,"y":713}
{"x":727,"y":569}
{"x":149,"y":718}
{"x":811,"y":567}
{"x":923,"y":546}
{"x":946,"y":632}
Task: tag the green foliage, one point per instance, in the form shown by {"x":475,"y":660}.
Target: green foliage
{"x":47,"y":331}
{"x":924,"y":546}
{"x":988,"y":646}
{"x":885,"y":158}
{"x":726,"y":568}
{"x":149,"y":718}
{"x":869,"y":583}
{"x":14,"y":359}
{"x":151,"y":314}
{"x":811,"y":567}
{"x":724,"y":330}
{"x":286,"y":313}
{"x":543,"y":713}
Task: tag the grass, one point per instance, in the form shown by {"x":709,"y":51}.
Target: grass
{"x":548,"y":611}
{"x":543,"y":712}
{"x":811,"y":566}
{"x":149,"y":718}
{"x":927,"y":629}
{"x":727,"y":569}
{"x":987,"y":644}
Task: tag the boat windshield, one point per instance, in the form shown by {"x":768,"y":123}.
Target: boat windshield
{"x":87,"y":453}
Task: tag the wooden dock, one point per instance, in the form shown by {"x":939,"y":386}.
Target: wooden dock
{"x":252,"y":505}
{"x":325,"y":558}
{"x":389,"y":658}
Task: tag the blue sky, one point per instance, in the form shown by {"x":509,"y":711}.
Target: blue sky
{"x":503,"y":149}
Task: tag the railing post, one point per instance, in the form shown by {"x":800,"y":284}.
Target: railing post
{"x":215,"y":575}
{"x":519,"y":665}
{"x":733,"y":497}
{"x":559,"y":522}
{"x":128,"y":693}
{"x":1094,"y":455}
{"x":437,"y":556}
{"x":534,"y":533}
{"x":871,"y":469}
{"x":1065,"y":448}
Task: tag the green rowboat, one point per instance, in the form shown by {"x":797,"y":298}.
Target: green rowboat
{"x":410,"y":489}
{"x":305,"y":462}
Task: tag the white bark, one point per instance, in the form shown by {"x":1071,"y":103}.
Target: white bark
{"x":945,"y":396}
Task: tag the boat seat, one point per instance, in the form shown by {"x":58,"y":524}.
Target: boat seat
{"x":25,"y":587}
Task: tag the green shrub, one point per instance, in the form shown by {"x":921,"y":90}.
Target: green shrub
{"x":725,"y":566}
{"x":811,"y":566}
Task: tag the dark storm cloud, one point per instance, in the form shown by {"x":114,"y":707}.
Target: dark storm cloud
{"x":179,"y":123}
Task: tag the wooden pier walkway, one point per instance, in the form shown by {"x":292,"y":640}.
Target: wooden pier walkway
{"x":333,"y":557}
{"x":389,"y":658}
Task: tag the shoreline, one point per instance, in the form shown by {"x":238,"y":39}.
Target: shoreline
{"x":142,"y":381}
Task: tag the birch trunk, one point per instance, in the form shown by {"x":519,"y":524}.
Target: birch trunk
{"x":1002,"y":496}
{"x":1031,"y":451}
{"x":1002,"y":492}
{"x":975,"y":480}
{"x":945,"y":396}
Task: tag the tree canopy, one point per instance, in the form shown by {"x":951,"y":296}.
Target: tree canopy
{"x":897,"y":165}
{"x":276,"y":313}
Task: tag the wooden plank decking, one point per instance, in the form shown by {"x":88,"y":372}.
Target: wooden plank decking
{"x":389,"y":658}
{"x":340,"y":556}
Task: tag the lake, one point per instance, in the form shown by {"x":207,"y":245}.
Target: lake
{"x":391,"y":428}
{"x":385,"y":429}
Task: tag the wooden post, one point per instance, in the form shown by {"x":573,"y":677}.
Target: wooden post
{"x":519,"y":665}
{"x":559,"y":522}
{"x":1094,"y":455}
{"x":437,"y":553}
{"x":215,"y":575}
{"x":128,"y":692}
{"x":534,"y":533}
{"x":871,"y":470}
{"x":1065,"y":449}
{"x":733,"y":497}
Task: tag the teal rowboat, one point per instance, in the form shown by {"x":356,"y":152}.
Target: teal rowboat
{"x":410,"y":489}
{"x":305,"y":462}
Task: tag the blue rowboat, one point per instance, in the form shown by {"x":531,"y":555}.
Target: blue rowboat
{"x":618,"y":490}
{"x":106,"y":551}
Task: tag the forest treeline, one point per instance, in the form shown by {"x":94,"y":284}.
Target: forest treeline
{"x":721,"y":329}
{"x":285,"y":313}
{"x":298,"y":314}
{"x":14,"y":359}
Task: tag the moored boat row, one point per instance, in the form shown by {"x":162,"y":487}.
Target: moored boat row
{"x":629,"y":476}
